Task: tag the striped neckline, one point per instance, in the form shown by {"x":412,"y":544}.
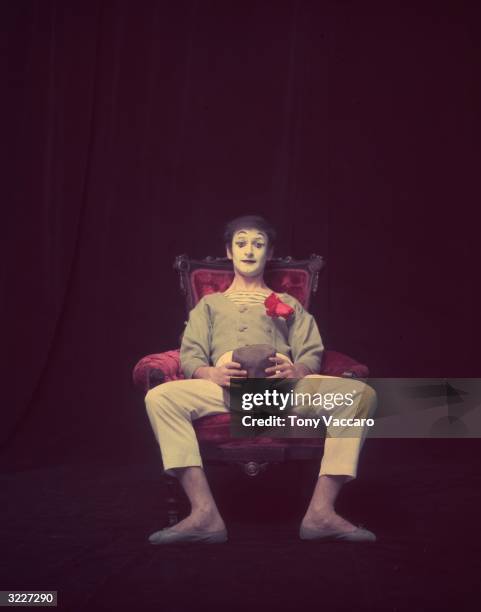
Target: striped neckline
{"x":246,"y":297}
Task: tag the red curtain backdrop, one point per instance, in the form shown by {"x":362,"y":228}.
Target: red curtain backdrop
{"x":133,"y":130}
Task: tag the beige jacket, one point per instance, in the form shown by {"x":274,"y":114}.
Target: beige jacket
{"x":217,"y":325}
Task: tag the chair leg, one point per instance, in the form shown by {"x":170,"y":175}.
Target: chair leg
{"x":172,"y":500}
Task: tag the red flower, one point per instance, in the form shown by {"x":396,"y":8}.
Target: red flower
{"x":276,"y":307}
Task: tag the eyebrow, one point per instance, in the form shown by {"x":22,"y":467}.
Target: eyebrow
{"x":244,"y":232}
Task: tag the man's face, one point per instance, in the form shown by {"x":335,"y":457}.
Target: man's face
{"x":249,"y":252}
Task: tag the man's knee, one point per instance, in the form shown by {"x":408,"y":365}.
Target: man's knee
{"x":368,"y":402}
{"x":158,"y":397}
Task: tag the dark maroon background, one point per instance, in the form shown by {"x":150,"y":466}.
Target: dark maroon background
{"x":134,"y":130}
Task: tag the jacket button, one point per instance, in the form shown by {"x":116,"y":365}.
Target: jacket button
{"x":242,"y":328}
{"x":242,"y":308}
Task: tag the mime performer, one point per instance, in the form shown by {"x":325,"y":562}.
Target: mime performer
{"x":218,"y":324}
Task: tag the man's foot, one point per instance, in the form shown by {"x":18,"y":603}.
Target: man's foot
{"x":201,"y":525}
{"x":201,"y":520}
{"x":331,"y":526}
{"x":327,"y":522}
{"x":169,"y":536}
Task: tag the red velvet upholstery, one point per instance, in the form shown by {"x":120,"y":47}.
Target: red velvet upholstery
{"x":168,"y":363}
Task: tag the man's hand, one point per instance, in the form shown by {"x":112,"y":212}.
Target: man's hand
{"x":283,"y":368}
{"x":221,"y":375}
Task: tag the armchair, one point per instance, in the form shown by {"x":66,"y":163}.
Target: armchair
{"x":299,"y":278}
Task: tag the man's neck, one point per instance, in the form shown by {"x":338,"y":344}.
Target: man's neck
{"x":242,"y":283}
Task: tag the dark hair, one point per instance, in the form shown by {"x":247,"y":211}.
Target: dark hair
{"x":249,"y":222}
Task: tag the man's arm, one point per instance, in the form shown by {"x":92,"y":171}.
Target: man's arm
{"x":203,"y":372}
{"x":195,"y":348}
{"x":283,"y":368}
{"x":221,"y":375}
{"x":301,"y":370}
{"x":305,"y":342}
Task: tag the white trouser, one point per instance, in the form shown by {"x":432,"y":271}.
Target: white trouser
{"x":172,"y":407}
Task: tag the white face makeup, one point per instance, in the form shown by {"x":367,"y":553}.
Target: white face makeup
{"x":249,"y":252}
